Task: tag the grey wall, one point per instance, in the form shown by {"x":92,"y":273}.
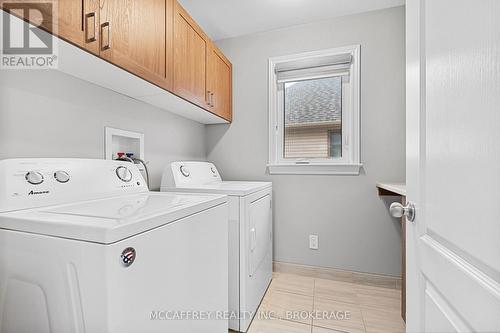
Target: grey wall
{"x":51,"y":114}
{"x":354,"y":227}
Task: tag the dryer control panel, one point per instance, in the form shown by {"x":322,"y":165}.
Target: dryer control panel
{"x":189,"y":174}
{"x":38,"y":182}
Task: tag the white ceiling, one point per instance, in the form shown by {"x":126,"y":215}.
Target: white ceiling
{"x":230,"y":18}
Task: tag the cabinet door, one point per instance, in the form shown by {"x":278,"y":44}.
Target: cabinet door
{"x":69,"y":22}
{"x":219,"y":84}
{"x":190,"y":47}
{"x":169,"y":44}
{"x":90,"y":24}
{"x":74,"y":21}
{"x":133,"y":37}
{"x":78,"y":22}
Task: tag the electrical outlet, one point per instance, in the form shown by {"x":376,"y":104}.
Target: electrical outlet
{"x":313,"y":242}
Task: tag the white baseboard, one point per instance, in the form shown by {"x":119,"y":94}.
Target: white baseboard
{"x":377,"y":280}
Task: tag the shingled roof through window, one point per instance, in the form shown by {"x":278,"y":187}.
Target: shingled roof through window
{"x":313,"y":101}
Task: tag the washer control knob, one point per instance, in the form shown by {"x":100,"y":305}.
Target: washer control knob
{"x":184,"y":171}
{"x":61,"y":176}
{"x":34,"y":177}
{"x":124,"y":174}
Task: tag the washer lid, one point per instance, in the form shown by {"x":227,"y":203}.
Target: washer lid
{"x":236,"y":188}
{"x":109,"y":220}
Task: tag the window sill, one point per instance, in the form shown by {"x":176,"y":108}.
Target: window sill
{"x":314,"y":169}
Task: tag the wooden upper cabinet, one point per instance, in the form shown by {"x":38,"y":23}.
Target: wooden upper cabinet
{"x":169,"y":44}
{"x":78,"y":23}
{"x":133,"y":36}
{"x":69,"y":23}
{"x":190,"y":50}
{"x":156,"y":40}
{"x":90,"y":24}
{"x":75,"y":21}
{"x":219,"y":81}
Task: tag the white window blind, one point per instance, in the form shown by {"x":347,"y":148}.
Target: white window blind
{"x":313,"y":67}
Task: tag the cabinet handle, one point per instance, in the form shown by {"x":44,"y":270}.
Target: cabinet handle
{"x":89,"y":39}
{"x":108,"y":44}
{"x":212,"y":99}
{"x":208,"y":98}
{"x":83,"y":15}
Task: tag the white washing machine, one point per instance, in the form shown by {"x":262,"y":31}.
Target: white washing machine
{"x":85,"y":247}
{"x":250,"y":232}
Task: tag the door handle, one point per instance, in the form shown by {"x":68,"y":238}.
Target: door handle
{"x":89,"y":39}
{"x":398,"y":210}
{"x":108,"y":44}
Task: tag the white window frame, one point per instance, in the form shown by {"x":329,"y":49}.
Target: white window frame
{"x":350,"y":163}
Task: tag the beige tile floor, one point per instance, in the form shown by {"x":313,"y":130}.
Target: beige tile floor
{"x":297,"y":304}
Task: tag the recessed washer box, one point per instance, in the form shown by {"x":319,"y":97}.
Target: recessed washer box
{"x":118,"y":140}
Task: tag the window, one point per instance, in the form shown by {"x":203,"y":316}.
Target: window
{"x":313,"y":110}
{"x":314,"y":113}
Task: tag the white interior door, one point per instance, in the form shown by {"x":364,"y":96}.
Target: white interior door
{"x":453,"y":165}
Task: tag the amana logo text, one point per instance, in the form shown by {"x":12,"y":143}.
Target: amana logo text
{"x":37,"y":192}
